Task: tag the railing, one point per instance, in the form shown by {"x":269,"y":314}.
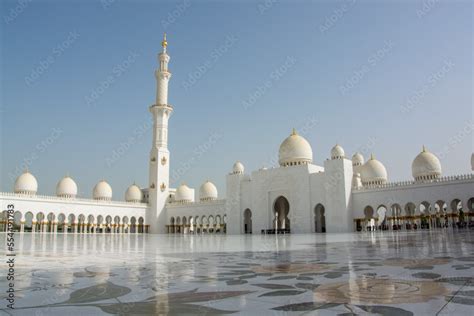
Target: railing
{"x":70,"y":200}
{"x":462,"y":177}
{"x":206,"y":202}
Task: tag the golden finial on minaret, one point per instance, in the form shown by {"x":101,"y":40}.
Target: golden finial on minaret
{"x":164,"y":43}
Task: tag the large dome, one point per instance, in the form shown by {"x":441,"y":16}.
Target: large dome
{"x":207,"y":191}
{"x":102,"y":191}
{"x":26,"y":184}
{"x":238,"y":168}
{"x":183,"y":194}
{"x":373,"y":172}
{"x":295,"y":150}
{"x":337,"y":152}
{"x":66,"y":188}
{"x":426,"y":166}
{"x":133,"y":194}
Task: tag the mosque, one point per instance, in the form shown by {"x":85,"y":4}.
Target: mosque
{"x":344,"y":195}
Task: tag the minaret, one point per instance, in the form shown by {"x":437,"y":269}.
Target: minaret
{"x":159,"y":154}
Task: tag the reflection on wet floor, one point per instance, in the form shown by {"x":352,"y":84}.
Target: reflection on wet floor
{"x":395,"y":273}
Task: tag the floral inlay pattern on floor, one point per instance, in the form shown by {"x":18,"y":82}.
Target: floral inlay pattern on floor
{"x":346,"y":274}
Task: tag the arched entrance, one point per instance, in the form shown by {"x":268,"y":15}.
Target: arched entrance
{"x":141,"y":225}
{"x":108,"y":223}
{"x":319,"y":219}
{"x":247,"y":221}
{"x":382,"y":217}
{"x":441,"y":213}
{"x":410,"y":216}
{"x":396,"y":214}
{"x":425,"y":215}
{"x":281,"y":209}
{"x":470,"y":208}
{"x":369,"y":218}
{"x":29,"y":222}
{"x":133,"y":225}
{"x":171,"y":227}
{"x":61,"y":223}
{"x":458,"y":213}
{"x":185,"y":225}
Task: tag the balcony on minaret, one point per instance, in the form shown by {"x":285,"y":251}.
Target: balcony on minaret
{"x":161,"y":106}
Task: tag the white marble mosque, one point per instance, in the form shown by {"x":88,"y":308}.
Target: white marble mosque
{"x":297,"y":239}
{"x":346,"y":194}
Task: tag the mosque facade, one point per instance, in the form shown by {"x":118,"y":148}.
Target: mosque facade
{"x":347,"y":193}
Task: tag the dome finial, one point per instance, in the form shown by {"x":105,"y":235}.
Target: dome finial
{"x":372,"y":156}
{"x":164,"y":43}
{"x":293,"y":132}
{"x":424,"y":148}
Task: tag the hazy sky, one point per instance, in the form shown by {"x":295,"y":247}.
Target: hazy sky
{"x":377,"y":76}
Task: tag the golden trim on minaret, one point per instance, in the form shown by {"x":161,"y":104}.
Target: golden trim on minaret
{"x":164,"y":43}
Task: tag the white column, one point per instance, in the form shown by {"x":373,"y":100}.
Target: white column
{"x":22,"y":223}
{"x":94,"y":226}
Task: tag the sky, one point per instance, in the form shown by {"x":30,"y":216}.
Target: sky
{"x":381,"y":77}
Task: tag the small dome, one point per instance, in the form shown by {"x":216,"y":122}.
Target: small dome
{"x":472,"y":161}
{"x":207,"y":191}
{"x":295,"y":150}
{"x":183,"y":194}
{"x":426,"y":166}
{"x":337,"y":152}
{"x":357,"y":159}
{"x":357,"y":162}
{"x":66,"y":188}
{"x":102,"y":191}
{"x":133,"y":194}
{"x":26,"y":184}
{"x":373,"y":172}
{"x":238,"y":168}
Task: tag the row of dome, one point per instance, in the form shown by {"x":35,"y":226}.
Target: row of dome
{"x":296,"y":150}
{"x":67,"y":188}
{"x":184,"y":194}
{"x":426,"y":166}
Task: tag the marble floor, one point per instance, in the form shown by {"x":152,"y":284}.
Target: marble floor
{"x":378,"y":273}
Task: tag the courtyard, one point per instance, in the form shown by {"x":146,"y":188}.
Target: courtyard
{"x":384,"y":273}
